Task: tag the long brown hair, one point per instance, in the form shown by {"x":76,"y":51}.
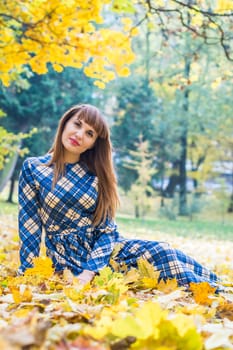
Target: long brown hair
{"x":98,"y":159}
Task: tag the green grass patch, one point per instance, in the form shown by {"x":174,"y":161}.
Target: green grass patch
{"x":8,"y":208}
{"x":181,"y":227}
{"x":210,"y":225}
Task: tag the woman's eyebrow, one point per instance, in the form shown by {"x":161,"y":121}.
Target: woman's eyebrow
{"x":92,"y":131}
{"x":90,"y":128}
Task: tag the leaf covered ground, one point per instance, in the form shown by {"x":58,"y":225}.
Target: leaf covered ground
{"x":118,"y":311}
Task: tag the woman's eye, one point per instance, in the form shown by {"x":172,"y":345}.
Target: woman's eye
{"x":78,"y":123}
{"x":90,"y":133}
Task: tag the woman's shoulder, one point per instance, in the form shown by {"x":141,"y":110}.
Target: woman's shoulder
{"x":32,"y":162}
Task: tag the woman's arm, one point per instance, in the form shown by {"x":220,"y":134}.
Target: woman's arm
{"x":30,"y":227}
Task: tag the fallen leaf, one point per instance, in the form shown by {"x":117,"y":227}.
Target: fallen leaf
{"x":201,"y":292}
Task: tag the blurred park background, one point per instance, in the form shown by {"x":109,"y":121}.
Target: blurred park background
{"x":162,"y":74}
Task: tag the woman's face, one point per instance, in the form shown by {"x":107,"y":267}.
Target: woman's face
{"x":77,"y":137}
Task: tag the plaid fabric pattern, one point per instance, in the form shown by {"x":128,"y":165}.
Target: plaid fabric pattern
{"x":171,"y":262}
{"x":71,"y":241}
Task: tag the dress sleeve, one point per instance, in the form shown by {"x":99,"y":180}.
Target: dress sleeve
{"x":30,"y":227}
{"x":106,"y":237}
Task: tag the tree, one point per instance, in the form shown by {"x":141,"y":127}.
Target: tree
{"x":175,"y":62}
{"x":141,"y":161}
{"x":210,"y":21}
{"x":135,"y":110}
{"x":63,"y":33}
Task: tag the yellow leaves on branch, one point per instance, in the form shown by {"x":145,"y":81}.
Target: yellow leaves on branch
{"x":63,"y":33}
{"x":224,"y":5}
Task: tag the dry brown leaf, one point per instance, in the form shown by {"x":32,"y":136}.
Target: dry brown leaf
{"x":225,"y":311}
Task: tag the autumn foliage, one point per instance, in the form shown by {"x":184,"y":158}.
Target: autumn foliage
{"x":117,"y":311}
{"x":63,"y":33}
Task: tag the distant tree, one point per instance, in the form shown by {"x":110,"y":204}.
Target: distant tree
{"x":136,"y":108}
{"x":141,"y":161}
{"x":182,"y":33}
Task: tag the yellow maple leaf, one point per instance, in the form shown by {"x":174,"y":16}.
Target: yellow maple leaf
{"x":143,"y":324}
{"x":22,"y":312}
{"x":148,"y":282}
{"x":73,"y":293}
{"x":183,"y":323}
{"x":21,"y":293}
{"x":201,"y":292}
{"x":43,"y":267}
{"x":167,"y":286}
{"x":146,"y":269}
{"x":149,"y":276}
{"x":131,"y":276}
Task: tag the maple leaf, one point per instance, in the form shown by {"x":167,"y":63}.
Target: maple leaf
{"x":148,"y":282}
{"x":146,"y":269}
{"x":21,"y":293}
{"x":201,"y":292}
{"x":149,"y":276}
{"x":167,"y":286}
{"x":73,"y":294}
{"x":132,"y":276}
{"x":42,"y":267}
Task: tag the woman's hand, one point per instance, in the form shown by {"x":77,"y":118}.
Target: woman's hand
{"x":86,"y":276}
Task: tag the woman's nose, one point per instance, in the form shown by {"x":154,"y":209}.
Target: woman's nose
{"x":79,"y":133}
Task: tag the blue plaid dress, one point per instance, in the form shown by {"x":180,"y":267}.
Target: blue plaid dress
{"x":65,"y":213}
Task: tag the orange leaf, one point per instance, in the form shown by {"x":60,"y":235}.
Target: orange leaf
{"x":201,"y":292}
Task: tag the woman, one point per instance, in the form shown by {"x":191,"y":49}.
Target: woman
{"x":72,"y":193}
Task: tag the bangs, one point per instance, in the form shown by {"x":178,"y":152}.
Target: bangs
{"x":91,"y":115}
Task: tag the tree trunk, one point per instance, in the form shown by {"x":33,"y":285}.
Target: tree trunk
{"x":230,"y":207}
{"x":174,"y":180}
{"x":11,"y":191}
{"x":8,"y":170}
{"x":183,"y":177}
{"x":136,"y":210}
{"x":183,"y":210}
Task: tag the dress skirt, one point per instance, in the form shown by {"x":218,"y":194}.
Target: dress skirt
{"x":172,"y":263}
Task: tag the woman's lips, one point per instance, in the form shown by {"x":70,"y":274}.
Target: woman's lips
{"x":74,"y":142}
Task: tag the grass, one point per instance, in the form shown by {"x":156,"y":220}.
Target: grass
{"x":8,"y":208}
{"x":208,"y":223}
{"x":181,"y":227}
